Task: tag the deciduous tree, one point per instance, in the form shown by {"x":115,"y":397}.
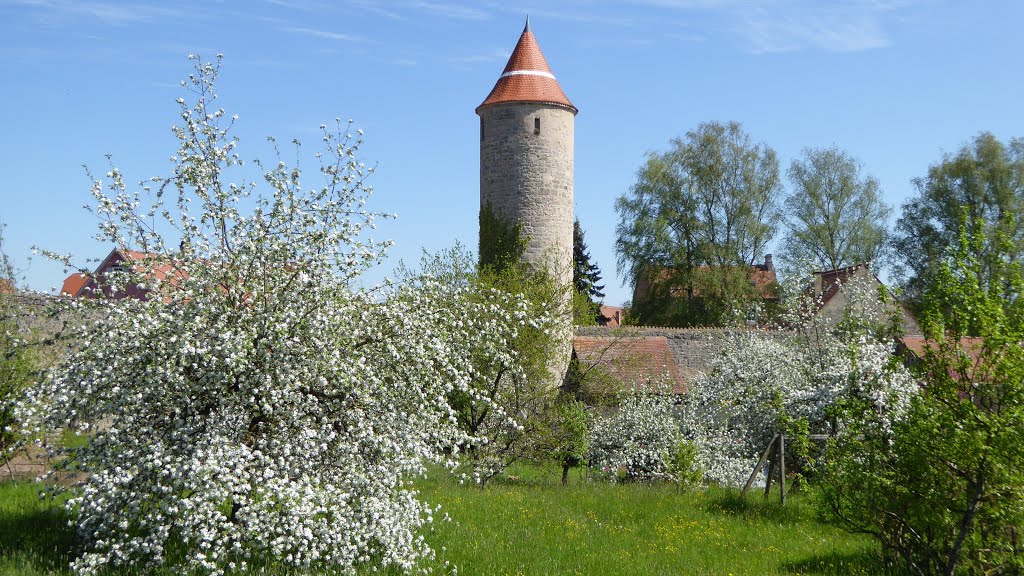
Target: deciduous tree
{"x":18,"y":363}
{"x":710,"y":201}
{"x":941,"y":489}
{"x":507,"y":411}
{"x":986,"y":177}
{"x":258,"y":407}
{"x":765,"y":382}
{"x":586,"y":278}
{"x":835,"y":215}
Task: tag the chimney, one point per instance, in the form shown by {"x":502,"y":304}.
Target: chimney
{"x":768,"y":262}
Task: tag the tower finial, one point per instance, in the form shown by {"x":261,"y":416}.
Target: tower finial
{"x":527,"y":29}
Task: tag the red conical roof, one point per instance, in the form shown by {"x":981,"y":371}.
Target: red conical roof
{"x":527,"y":77}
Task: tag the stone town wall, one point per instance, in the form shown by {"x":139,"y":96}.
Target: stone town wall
{"x":693,"y":349}
{"x":526,"y":174}
{"x":38,"y":321}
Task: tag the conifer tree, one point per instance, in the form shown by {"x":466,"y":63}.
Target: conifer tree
{"x":585,"y":273}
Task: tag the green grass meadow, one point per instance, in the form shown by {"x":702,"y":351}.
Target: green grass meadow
{"x":536,"y":526}
{"x":533,"y":525}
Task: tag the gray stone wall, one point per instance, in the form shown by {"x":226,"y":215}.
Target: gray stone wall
{"x":693,"y":349}
{"x":40,"y":322}
{"x":526,"y":174}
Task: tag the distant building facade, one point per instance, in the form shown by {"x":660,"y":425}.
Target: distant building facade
{"x":832,"y":301}
{"x":97,"y":284}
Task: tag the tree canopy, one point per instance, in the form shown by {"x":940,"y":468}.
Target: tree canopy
{"x":708,"y":204}
{"x":940,"y":488}
{"x":985,"y":178}
{"x":835,"y":215}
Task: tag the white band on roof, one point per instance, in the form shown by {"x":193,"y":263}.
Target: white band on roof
{"x":528,"y":73}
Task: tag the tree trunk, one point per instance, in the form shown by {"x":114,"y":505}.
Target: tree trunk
{"x":966,"y":523}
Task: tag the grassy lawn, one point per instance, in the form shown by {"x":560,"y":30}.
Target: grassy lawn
{"x":34,"y":535}
{"x":535,"y":526}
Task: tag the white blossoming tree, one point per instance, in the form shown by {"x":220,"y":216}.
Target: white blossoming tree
{"x":792,"y":381}
{"x":256,"y":407}
{"x":640,"y":439}
{"x":512,"y":410}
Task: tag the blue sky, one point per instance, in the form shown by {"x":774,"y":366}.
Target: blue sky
{"x":893,"y":82}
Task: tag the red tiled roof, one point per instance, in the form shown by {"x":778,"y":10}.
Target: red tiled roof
{"x":527,"y":77}
{"x":633,"y":361}
{"x":74,"y":283}
{"x":150,"y":265}
{"x":6,"y":286}
{"x":919,"y":345}
{"x":156,"y":268}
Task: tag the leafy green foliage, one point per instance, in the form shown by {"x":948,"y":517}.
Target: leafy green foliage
{"x":708,"y":296}
{"x":682,"y":464}
{"x":986,"y":177}
{"x":502,"y":242}
{"x":835,"y":215}
{"x":943,"y":490}
{"x":566,"y":438}
{"x":703,"y":209}
{"x":17,"y":362}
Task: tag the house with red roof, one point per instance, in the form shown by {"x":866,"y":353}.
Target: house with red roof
{"x":660,"y":290}
{"x":98,"y":283}
{"x":828,"y":286}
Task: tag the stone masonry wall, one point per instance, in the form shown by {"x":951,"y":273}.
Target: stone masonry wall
{"x":693,"y":349}
{"x":527,"y":177}
{"x":39,"y":321}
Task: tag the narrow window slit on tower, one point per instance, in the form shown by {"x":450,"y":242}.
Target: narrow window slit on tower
{"x":481,"y":130}
{"x":536,"y":125}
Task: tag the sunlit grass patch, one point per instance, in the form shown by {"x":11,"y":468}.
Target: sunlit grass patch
{"x":527,"y":523}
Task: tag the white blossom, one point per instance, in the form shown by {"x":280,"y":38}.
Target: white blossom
{"x":257,"y":406}
{"x":766,"y":381}
{"x":638,"y":438}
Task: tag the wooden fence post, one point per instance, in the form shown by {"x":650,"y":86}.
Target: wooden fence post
{"x":760,"y":464}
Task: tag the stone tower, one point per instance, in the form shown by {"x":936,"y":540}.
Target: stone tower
{"x":526,"y":156}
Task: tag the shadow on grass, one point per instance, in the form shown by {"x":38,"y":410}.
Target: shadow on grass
{"x":36,"y":538}
{"x":865,"y":562}
{"x":755,"y":507}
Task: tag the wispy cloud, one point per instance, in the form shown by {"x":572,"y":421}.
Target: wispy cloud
{"x":328,"y":34}
{"x":585,"y":16}
{"x":375,"y":7}
{"x":301,"y":5}
{"x":837,"y":28}
{"x":495,"y":55}
{"x":450,"y":10}
{"x":107,"y":12}
{"x":789,"y":25}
